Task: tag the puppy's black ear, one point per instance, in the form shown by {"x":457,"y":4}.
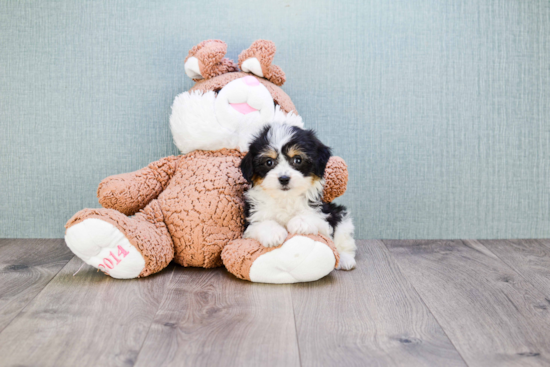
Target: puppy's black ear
{"x":247,"y":167}
{"x":323,"y":155}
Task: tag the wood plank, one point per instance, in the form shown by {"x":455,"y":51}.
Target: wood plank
{"x":368,"y":316}
{"x":85,"y":320}
{"x":210,"y":318}
{"x":6,"y":241}
{"x":488,"y":310}
{"x":530,"y":258}
{"x":26,"y":267}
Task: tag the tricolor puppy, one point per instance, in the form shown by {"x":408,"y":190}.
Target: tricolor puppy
{"x":285,"y":166}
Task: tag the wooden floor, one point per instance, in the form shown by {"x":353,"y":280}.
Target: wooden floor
{"x":408,"y":303}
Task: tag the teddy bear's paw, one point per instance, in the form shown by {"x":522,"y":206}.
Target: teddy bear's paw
{"x":101,"y":245}
{"x":299,"y":259}
{"x":336,"y":179}
{"x":347,"y":261}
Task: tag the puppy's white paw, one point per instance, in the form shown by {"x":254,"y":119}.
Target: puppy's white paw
{"x":275,"y":237}
{"x":347,"y":261}
{"x":268,"y":233}
{"x":302,"y":225}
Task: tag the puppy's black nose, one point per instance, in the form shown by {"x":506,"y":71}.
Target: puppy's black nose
{"x":284,"y":180}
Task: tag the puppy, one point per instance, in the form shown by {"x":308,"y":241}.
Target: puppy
{"x":285,"y":166}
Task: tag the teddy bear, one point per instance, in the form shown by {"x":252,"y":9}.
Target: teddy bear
{"x":189,"y":208}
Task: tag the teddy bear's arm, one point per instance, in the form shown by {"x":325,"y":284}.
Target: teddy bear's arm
{"x":336,"y":179}
{"x":130,"y":192}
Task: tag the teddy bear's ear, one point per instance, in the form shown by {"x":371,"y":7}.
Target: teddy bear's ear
{"x":257,"y":60}
{"x":206,"y":60}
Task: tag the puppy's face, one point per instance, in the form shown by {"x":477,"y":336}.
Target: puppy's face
{"x":285,"y":159}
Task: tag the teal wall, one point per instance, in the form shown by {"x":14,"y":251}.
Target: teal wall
{"x":440,"y":108}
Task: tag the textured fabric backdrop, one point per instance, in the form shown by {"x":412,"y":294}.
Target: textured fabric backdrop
{"x":440,"y":108}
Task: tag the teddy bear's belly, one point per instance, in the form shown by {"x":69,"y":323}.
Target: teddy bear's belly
{"x":203,"y":206}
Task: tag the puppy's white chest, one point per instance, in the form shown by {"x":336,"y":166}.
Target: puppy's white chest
{"x":287,"y":211}
{"x":278,"y":208}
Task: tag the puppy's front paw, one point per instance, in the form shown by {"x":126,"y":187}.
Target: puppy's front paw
{"x":347,"y":261}
{"x":275,"y":238}
{"x":301,"y":225}
{"x":268,"y":233}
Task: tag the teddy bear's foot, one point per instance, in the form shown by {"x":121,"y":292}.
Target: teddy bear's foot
{"x":103,"y":246}
{"x":300,"y":259}
{"x":120,"y":246}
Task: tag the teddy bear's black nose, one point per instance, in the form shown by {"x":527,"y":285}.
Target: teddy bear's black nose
{"x":284,"y":180}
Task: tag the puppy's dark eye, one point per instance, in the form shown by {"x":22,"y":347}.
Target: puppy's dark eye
{"x":269,"y":162}
{"x":297,"y":160}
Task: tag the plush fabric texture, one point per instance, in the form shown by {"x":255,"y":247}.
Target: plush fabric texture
{"x":195,"y":126}
{"x":264,"y":51}
{"x":204,"y":207}
{"x":216,"y":83}
{"x":239,"y":255}
{"x":146,"y":231}
{"x":195,"y":123}
{"x":336,"y":179}
{"x":130,"y":192}
{"x":212,"y":63}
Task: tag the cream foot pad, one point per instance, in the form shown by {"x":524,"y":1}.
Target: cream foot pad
{"x":103,"y":246}
{"x":299,"y":259}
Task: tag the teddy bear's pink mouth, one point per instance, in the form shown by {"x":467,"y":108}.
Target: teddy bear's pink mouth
{"x":243,"y":108}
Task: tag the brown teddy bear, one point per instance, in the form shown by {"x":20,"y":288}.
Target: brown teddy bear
{"x":189,"y":208}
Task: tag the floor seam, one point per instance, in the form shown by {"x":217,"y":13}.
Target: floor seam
{"x":513,"y":268}
{"x":424,"y":303}
{"x":295,"y":327}
{"x":36,"y":295}
{"x":155,"y":316}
